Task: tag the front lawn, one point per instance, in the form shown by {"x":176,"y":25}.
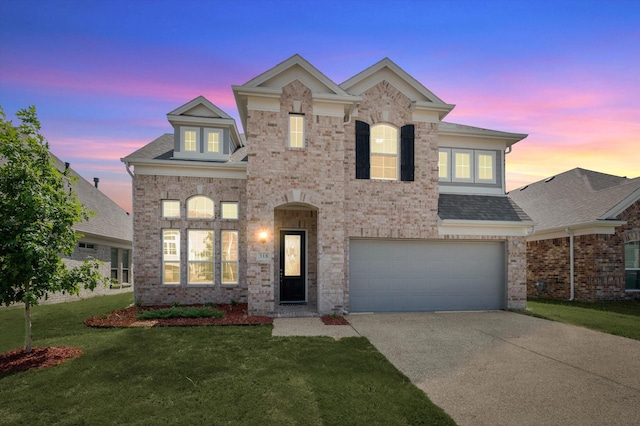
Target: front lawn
{"x":232,"y":375}
{"x":619,"y":318}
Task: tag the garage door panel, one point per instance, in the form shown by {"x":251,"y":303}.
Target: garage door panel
{"x":403,"y":275}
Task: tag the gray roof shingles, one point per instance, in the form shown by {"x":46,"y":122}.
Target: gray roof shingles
{"x":573,"y":197}
{"x":480,"y":207}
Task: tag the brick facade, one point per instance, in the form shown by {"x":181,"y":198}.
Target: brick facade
{"x":598,"y":263}
{"x":149,"y":191}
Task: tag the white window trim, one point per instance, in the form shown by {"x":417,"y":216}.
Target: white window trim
{"x":302,"y":116}
{"x":454,"y":165}
{"x":183,"y":130}
{"x":492,"y":154}
{"x":224,"y":262}
{"x":164,"y":210}
{"x":164,"y":260}
{"x":205,"y":144}
{"x":212,"y":262}
{"x":630,"y":290}
{"x":235,"y":203}
{"x":446,"y":178}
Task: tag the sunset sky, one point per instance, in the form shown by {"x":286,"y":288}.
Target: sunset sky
{"x":104,"y":74}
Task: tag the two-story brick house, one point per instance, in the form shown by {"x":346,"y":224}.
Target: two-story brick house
{"x":353,"y":197}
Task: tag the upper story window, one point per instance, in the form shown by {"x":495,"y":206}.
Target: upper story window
{"x":229,"y":210}
{"x":170,"y":208}
{"x":466,"y":165}
{"x":213,"y":140}
{"x":632,"y":265}
{"x":384,"y":152}
{"x":200,"y":206}
{"x":296,"y":131}
{"x":189,"y":139}
{"x":381,"y":155}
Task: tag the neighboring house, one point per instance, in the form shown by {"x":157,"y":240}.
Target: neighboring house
{"x":587,"y":240}
{"x":353,"y":197}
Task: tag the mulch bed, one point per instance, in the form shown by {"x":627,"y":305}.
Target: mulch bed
{"x":329,"y":320}
{"x":19,"y":360}
{"x":128,"y":317}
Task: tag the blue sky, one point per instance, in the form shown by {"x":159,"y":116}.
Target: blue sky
{"x":104,"y":74}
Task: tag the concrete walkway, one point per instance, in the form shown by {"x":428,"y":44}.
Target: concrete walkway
{"x":502,"y":368}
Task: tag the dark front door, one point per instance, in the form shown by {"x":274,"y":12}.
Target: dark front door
{"x":292,"y":266}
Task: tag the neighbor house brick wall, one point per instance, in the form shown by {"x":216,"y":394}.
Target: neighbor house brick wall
{"x":598,"y":263}
{"x":148,"y":193}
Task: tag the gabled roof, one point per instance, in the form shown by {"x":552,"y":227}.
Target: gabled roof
{"x":577,"y":198}
{"x":200,"y":111}
{"x":387,"y":70}
{"x":200,"y":107}
{"x":295,"y":68}
{"x":109,"y":221}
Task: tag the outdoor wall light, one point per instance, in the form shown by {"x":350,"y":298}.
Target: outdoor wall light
{"x":263,"y":237}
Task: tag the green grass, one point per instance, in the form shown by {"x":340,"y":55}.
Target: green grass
{"x":201,"y":375}
{"x":180,"y":312}
{"x":619,"y":318}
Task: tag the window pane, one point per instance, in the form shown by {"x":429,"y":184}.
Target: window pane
{"x":200,"y":207}
{"x":189,"y":140}
{"x":213,"y":141}
{"x":384,"y":167}
{"x":171,"y":273}
{"x":114,"y":258}
{"x":125,"y":259}
{"x":632,"y":254}
{"x":384,"y":139}
{"x":230,"y":245}
{"x":485,"y":167}
{"x":292,"y":253}
{"x":200,"y":273}
{"x":443,"y":164}
{"x":230,"y":210}
{"x":170,"y":208}
{"x":296,"y":131}
{"x":229,"y":273}
{"x":463,"y":165}
{"x":171,"y":244}
{"x":201,"y":245}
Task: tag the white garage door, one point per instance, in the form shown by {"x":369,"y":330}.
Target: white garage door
{"x":409,"y":275}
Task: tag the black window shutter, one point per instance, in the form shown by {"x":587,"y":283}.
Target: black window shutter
{"x":406,"y":152}
{"x":362,"y":150}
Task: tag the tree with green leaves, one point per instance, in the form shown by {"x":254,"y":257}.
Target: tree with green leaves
{"x":38,"y":210}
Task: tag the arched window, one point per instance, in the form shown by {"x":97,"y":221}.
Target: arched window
{"x":632,"y":265}
{"x":384,"y":152}
{"x":200,"y":206}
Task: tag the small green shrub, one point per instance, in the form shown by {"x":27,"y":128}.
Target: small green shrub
{"x":177,"y":304}
{"x":180,"y":312}
{"x":234,"y":302}
{"x":209,"y":304}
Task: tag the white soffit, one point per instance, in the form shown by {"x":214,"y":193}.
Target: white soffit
{"x":484,"y":228}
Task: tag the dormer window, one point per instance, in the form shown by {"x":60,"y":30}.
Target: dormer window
{"x":189,"y":139}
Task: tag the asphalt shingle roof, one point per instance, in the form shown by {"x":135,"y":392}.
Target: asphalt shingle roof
{"x":162,"y":149}
{"x":480,"y":207}
{"x":574,"y":197}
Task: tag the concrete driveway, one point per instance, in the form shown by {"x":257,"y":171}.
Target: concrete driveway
{"x":502,"y":368}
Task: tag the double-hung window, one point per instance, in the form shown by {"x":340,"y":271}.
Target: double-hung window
{"x":170,"y":256}
{"x":189,"y":139}
{"x":382,"y":155}
{"x":462,"y":165}
{"x":384,"y":152}
{"x":200,"y":256}
{"x":296,"y":131}
{"x":213,"y":141}
{"x":632,"y":265}
{"x":229,"y":257}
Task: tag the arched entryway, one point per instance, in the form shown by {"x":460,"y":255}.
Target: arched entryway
{"x":296,"y":259}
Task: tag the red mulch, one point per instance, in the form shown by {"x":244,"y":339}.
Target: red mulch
{"x":127,"y":317}
{"x":19,"y":360}
{"x":329,"y":320}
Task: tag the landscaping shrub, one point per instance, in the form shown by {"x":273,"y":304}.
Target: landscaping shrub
{"x":180,"y":312}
